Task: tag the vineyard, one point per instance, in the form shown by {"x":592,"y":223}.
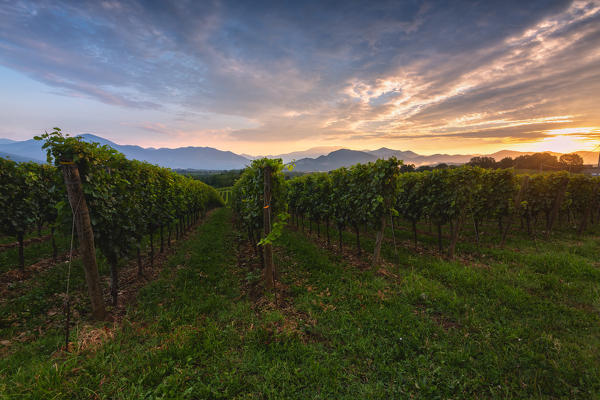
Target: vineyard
{"x":369,"y":197}
{"x":127,"y":200}
{"x":364,"y":282}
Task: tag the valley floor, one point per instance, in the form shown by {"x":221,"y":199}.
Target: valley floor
{"x":514,"y":323}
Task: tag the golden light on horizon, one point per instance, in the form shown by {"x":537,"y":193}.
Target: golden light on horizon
{"x":565,"y":140}
{"x":571,"y":131}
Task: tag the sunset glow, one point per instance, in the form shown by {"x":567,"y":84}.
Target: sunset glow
{"x":565,"y":140}
{"x":260,"y":79}
{"x":559,"y":144}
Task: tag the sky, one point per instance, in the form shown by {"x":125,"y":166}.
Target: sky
{"x":272,"y":77}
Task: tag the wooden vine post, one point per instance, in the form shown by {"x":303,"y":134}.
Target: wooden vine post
{"x":379,"y":240}
{"x":455,"y":230}
{"x":21,"y":251}
{"x":86,"y":237}
{"x":269,"y":268}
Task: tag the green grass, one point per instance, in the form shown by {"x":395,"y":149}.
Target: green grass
{"x":32,"y":233}
{"x":499,"y":324}
{"x":519,"y":299}
{"x":37,"y":251}
{"x":33,"y":252}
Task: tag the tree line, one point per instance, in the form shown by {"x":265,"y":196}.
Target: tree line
{"x":216,"y":179}
{"x":538,"y":161}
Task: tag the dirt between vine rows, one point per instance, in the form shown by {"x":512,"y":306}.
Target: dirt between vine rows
{"x":14,"y":276}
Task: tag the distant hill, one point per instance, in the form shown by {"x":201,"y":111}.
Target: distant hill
{"x":333,"y":160}
{"x":384,"y":152}
{"x":346,"y":158}
{"x":313,"y":152}
{"x":182,"y":157}
{"x":18,"y":158}
{"x":499,"y":155}
{"x":435,"y":159}
{"x":410,"y":157}
{"x":29,"y":149}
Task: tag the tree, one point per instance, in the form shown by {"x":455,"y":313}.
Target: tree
{"x":483,"y":162}
{"x":582,"y":192}
{"x":360,"y":197}
{"x":424,"y":168}
{"x":407,"y":168}
{"x":538,"y":161}
{"x":571,"y":162}
{"x":506,"y":162}
{"x":340,"y":199}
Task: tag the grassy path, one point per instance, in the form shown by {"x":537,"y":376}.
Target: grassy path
{"x":179,"y":306}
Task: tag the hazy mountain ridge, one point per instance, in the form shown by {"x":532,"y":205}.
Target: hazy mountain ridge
{"x":208,"y":158}
{"x":182,"y":157}
{"x":333,"y":160}
{"x":313,"y":152}
{"x":31,"y":149}
{"x":18,"y":158}
{"x":347,"y":158}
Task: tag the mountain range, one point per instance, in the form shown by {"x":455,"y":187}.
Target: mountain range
{"x":182,"y":157}
{"x":208,"y":158}
{"x":313,"y":152}
{"x":345,"y":158}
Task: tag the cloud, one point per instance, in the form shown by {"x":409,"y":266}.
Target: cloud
{"x":291,"y":71}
